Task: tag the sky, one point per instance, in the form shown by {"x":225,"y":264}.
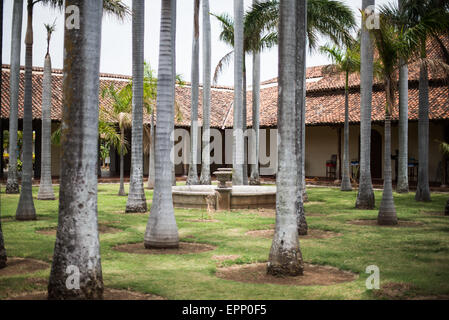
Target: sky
{"x":116,"y":47}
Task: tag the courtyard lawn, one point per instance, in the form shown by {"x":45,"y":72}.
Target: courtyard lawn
{"x":413,"y":261}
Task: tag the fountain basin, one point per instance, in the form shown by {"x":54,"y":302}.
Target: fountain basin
{"x":242,"y":197}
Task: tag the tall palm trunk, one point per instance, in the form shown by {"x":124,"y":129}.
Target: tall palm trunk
{"x":12,"y":184}
{"x":345,"y":181}
{"x":300,"y":100}
{"x":365,"y":196}
{"x":162,"y":231}
{"x":205,"y":165}
{"x":121,"y":191}
{"x":25,"y":208}
{"x":136,"y":196}
{"x":285,"y":255}
{"x":77,"y":241}
{"x":387,"y":211}
{"x":402,"y":183}
{"x":3,"y":257}
{"x":45,"y":187}
{"x":152,"y":170}
{"x":244,"y":123}
{"x":254,"y":174}
{"x":173,"y":39}
{"x":192,"y":179}
{"x":238,"y":145}
{"x":423,"y":189}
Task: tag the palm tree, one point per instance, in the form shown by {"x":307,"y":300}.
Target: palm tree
{"x":3,"y":257}
{"x":173,"y":39}
{"x":120,"y":114}
{"x":300,"y":108}
{"x":238,"y":141}
{"x":162,"y":230}
{"x":253,"y":43}
{"x":136,"y":198}
{"x":12,"y":184}
{"x":46,"y":188}
{"x":390,"y":47}
{"x":346,"y":62}
{"x":325,"y":18}
{"x":25,"y":209}
{"x":205,"y":163}
{"x":152,"y":168}
{"x":192,"y":178}
{"x":428,"y":18}
{"x":402,"y":183}
{"x":365,"y":196}
{"x":285,"y":256}
{"x":77,"y":222}
{"x":254,"y":171}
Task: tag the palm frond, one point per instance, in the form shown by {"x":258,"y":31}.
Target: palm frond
{"x":222,"y":64}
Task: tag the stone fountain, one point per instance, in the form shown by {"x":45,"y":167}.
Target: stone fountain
{"x":226,"y":196}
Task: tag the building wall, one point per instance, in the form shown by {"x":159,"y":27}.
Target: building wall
{"x":321,"y":144}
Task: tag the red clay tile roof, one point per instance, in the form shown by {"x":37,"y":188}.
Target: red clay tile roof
{"x":325,"y":97}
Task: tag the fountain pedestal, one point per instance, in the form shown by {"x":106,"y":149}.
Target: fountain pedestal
{"x":223,"y":192}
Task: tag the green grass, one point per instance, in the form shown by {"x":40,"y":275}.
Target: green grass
{"x":417,"y":256}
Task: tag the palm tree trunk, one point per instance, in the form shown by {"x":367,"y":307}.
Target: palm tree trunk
{"x":152,"y":170}
{"x":254,"y":175}
{"x":244,"y":124}
{"x":12,"y":184}
{"x":402,"y":184}
{"x":25,"y":208}
{"x":365,"y":196}
{"x":205,"y":178}
{"x":387,"y":211}
{"x":423,"y":189}
{"x":238,"y":145}
{"x":121,"y":191}
{"x":162,"y":231}
{"x":3,"y":257}
{"x":345,"y":181}
{"x":46,"y":188}
{"x":136,"y":195}
{"x":77,"y":221}
{"x":301,"y":56}
{"x":192,"y":178}
{"x":173,"y":35}
{"x":285,"y":255}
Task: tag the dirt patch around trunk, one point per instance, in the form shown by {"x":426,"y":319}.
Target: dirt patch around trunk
{"x":102,"y":228}
{"x":314,"y":275}
{"x":373,"y":223}
{"x":404,"y":291}
{"x":16,"y":266}
{"x":109,"y":294}
{"x":184,"y":248}
{"x":311,"y":234}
